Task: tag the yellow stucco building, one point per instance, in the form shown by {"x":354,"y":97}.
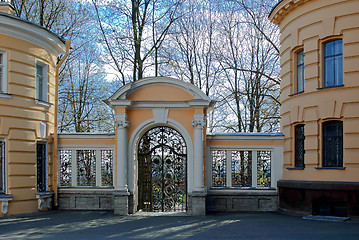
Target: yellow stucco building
{"x":320,"y":105}
{"x":29,"y":62}
{"x":160,"y":157}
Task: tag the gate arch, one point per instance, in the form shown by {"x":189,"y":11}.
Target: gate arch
{"x":162,"y":170}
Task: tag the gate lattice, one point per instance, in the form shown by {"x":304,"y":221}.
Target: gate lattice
{"x":162,"y":185}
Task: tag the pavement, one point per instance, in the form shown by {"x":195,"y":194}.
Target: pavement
{"x":77,"y":225}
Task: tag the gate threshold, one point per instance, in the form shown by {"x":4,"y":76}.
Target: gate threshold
{"x":161,"y":214}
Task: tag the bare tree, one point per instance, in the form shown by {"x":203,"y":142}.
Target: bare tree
{"x":250,"y":66}
{"x":82,"y":85}
{"x":136,"y":30}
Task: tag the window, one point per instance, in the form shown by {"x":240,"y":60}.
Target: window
{"x":2,"y":167}
{"x":332,"y":144}
{"x":41,"y":81}
{"x":41,"y":167}
{"x":299,"y":146}
{"x":333,"y":63}
{"x":241,"y":168}
{"x":3,"y":72}
{"x":300,"y":71}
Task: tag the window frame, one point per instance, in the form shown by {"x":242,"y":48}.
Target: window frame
{"x":72,"y":170}
{"x":302,"y":68}
{"x":254,"y":168}
{"x":333,"y":57}
{"x":44,"y":88}
{"x":3,"y":176}
{"x":326,"y":147}
{"x":299,"y":163}
{"x":3,"y":78}
{"x":41,"y":184}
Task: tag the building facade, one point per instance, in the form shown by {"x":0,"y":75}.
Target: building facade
{"x":319,"y":106}
{"x":161,"y":160}
{"x":28,"y":97}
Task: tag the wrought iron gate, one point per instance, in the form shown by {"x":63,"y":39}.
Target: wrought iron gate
{"x":162,"y":175}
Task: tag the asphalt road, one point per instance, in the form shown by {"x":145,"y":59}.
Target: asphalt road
{"x":105,"y":225}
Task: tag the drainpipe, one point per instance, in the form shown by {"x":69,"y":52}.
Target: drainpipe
{"x":55,"y":140}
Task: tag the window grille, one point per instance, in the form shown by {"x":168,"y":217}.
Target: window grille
{"x":65,"y":161}
{"x":333,"y":63}
{"x":264,"y":169}
{"x":219,"y":168}
{"x":241,"y":168}
{"x":106,"y":167}
{"x":86,"y":168}
{"x":41,"y":167}
{"x":332,"y":144}
{"x":299,"y":145}
{"x":2,"y":167}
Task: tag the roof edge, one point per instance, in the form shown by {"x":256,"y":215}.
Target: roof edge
{"x":19,"y":28}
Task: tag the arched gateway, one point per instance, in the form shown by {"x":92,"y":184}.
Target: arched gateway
{"x":159,"y":146}
{"x":158,"y":160}
{"x":162,"y":171}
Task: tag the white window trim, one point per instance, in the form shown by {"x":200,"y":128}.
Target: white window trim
{"x":44,"y":101}
{"x":97,"y":148}
{"x":276,"y":163}
{"x":3,"y":80}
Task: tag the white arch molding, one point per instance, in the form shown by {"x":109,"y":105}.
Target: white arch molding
{"x":132,"y":165}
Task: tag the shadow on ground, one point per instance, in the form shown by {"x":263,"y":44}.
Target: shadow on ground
{"x":106,"y":225}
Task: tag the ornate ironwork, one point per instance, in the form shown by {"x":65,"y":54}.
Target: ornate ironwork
{"x":65,"y":163}
{"x":241,"y":168}
{"x":86,"y":167}
{"x":106,"y":167}
{"x":162,"y":185}
{"x":2,"y":167}
{"x":41,"y":167}
{"x":219,"y":169}
{"x":264,"y":168}
{"x":333,"y":144}
{"x":299,"y":145}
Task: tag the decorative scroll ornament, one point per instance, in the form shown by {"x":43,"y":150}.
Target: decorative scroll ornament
{"x":198,"y":123}
{"x":122,"y":123}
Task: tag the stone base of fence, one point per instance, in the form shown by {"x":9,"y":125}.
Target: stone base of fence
{"x":85,"y":199}
{"x":242,"y":200}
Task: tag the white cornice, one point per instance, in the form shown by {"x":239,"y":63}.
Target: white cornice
{"x":134,"y":86}
{"x":247,"y":136}
{"x":11,"y":26}
{"x":86,"y":136}
{"x":199,"y":98}
{"x":283,"y":8}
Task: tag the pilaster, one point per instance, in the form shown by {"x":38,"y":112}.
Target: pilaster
{"x":121,"y":194}
{"x":198,"y":196}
